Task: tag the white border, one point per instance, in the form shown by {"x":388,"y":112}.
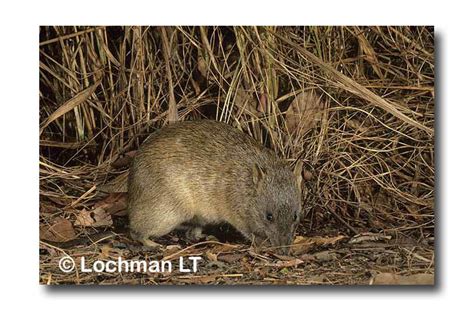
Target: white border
{"x":19,"y":151}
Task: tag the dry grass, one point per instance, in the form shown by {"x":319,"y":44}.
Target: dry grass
{"x":368,"y":144}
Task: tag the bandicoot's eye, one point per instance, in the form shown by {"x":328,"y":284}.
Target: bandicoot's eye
{"x":269,"y":216}
{"x":295,"y":216}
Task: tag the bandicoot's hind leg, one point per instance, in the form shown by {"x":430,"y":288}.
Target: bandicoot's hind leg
{"x":142,"y":226}
{"x":143,"y":239}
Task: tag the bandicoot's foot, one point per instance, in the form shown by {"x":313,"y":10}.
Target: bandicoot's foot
{"x":149,"y":243}
{"x":194,"y":234}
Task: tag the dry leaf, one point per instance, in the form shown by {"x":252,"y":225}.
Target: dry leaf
{"x":286,"y":264}
{"x":223,"y":248}
{"x":245,"y":102}
{"x":60,"y":201}
{"x":304,"y":113}
{"x":307,"y":257}
{"x":325,"y":256}
{"x":356,"y":125}
{"x":113,"y":204}
{"x":317,"y":279}
{"x":302,"y":244}
{"x":283,"y":257}
{"x":395,"y":279}
{"x":47,"y":208}
{"x":104,"y":251}
{"x":307,"y":175}
{"x":262,"y":102}
{"x":231,"y":258}
{"x":367,"y":236}
{"x":197,"y":279}
{"x":204,"y":279}
{"x":368,"y":50}
{"x":211,"y":256}
{"x":202,"y":64}
{"x":97,"y":217}
{"x":59,"y":230}
{"x":70,"y":104}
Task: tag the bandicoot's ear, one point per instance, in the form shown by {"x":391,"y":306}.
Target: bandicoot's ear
{"x":257,"y":174}
{"x":298,"y":171}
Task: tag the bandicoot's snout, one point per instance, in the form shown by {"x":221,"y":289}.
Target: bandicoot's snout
{"x":282,"y":244}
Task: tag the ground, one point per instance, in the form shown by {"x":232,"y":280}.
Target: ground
{"x":333,"y":259}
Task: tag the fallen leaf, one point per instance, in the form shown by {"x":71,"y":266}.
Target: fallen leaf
{"x":285,"y":264}
{"x":211,"y":256}
{"x":113,"y":204}
{"x":368,"y":236}
{"x":60,"y":201}
{"x":197,"y":279}
{"x":104,"y":251}
{"x":325,"y":256}
{"x":59,"y":230}
{"x":317,"y":279}
{"x":303,"y":245}
{"x":307,"y":257}
{"x":47,"y":208}
{"x":231,"y":258}
{"x":283,"y":257}
{"x":395,"y":279}
{"x":214,"y":253}
{"x":97,"y":217}
{"x":223,"y":248}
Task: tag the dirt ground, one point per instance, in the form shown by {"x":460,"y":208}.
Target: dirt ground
{"x":328,"y":256}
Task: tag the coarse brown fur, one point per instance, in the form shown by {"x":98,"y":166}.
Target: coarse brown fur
{"x":207,"y":172}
